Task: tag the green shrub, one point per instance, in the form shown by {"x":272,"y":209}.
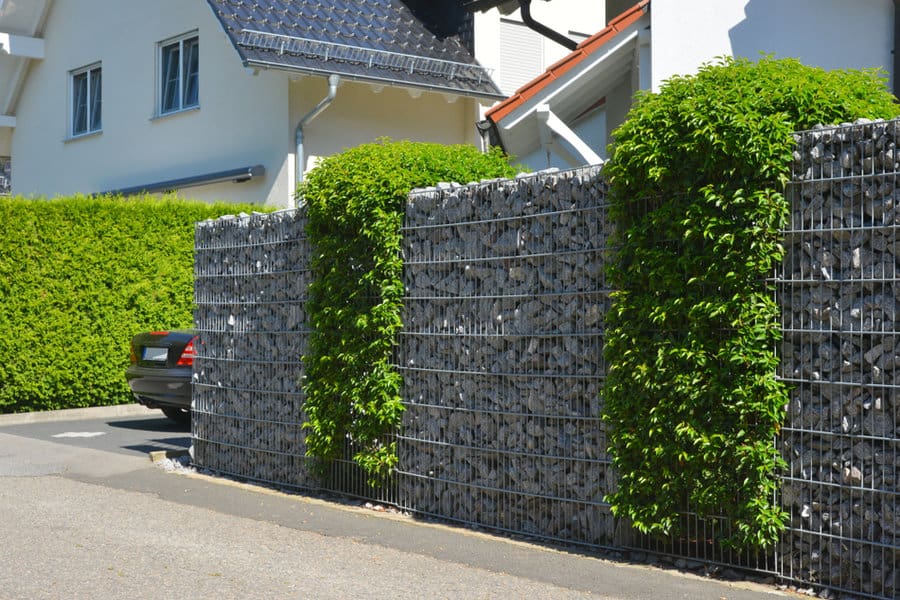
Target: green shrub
{"x":356,"y":201}
{"x":78,"y":278}
{"x":697,"y":173}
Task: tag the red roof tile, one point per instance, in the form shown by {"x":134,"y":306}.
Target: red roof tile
{"x":554,"y":71}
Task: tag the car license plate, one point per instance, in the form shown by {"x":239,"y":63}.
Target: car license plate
{"x":156,"y":354}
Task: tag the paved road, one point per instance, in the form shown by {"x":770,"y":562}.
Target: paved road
{"x":83,"y":522}
{"x":130,"y":429}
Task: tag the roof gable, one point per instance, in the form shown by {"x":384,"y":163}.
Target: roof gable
{"x":598,"y":42}
{"x":381,"y":41}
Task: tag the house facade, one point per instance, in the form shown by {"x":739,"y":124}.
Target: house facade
{"x":565,"y":116}
{"x":235,"y":100}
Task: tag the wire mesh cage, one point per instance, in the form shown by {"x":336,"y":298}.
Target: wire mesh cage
{"x":501,"y":358}
{"x":838,"y":288}
{"x":501,"y":355}
{"x":250,"y":275}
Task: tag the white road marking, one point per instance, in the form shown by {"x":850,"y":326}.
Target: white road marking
{"x":79,"y":434}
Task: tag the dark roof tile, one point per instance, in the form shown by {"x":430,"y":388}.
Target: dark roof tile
{"x":364,"y":39}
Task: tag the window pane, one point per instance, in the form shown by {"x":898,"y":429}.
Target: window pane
{"x":191,"y":72}
{"x":170,"y":78}
{"x":96,"y":99}
{"x":79,"y":103}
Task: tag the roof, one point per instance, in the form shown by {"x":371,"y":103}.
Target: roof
{"x":558,"y":70}
{"x":380,"y":41}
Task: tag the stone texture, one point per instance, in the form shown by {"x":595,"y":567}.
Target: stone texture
{"x":501,"y":355}
{"x":840,"y":313}
{"x":251,"y":274}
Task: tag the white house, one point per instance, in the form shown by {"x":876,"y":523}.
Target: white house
{"x":564,"y":117}
{"x":236,"y":99}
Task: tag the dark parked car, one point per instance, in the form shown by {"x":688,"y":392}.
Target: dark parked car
{"x":160,"y":372}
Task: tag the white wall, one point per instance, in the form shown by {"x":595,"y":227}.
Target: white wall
{"x":360,"y":115}
{"x":242,"y":119}
{"x":830,"y":34}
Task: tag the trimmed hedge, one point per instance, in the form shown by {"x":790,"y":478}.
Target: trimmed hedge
{"x":78,"y":278}
{"x":697,"y":174}
{"x":356,"y":201}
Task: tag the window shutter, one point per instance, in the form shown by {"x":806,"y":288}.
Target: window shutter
{"x":521,"y":55}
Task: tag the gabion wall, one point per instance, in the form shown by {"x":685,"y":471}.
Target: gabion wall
{"x":839,"y":291}
{"x":501,"y":355}
{"x":251,"y":274}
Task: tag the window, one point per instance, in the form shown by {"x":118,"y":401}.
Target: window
{"x":87,"y":103}
{"x":179,"y":74}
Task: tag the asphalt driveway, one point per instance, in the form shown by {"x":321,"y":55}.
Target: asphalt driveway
{"x":82,"y":522}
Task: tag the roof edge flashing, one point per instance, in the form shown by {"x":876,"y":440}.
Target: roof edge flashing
{"x":285,"y":44}
{"x":373,"y":80}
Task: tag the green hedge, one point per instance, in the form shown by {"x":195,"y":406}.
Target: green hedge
{"x":78,"y":277}
{"x":691,"y":399}
{"x":356,"y":201}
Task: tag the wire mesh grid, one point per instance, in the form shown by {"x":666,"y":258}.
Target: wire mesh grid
{"x":250,"y":278}
{"x":838,"y":288}
{"x":501,"y":355}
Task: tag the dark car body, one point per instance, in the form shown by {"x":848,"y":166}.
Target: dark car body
{"x":161,"y":370}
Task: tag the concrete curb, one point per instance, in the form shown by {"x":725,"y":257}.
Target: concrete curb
{"x":158,"y":455}
{"x":76,"y":414}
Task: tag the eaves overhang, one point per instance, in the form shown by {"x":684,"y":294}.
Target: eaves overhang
{"x":386,"y":78}
{"x":238,"y":175}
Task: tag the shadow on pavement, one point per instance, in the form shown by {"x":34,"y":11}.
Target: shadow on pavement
{"x":153,"y":424}
{"x":180,"y":443}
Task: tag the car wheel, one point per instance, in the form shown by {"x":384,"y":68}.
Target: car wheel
{"x":179,"y":415}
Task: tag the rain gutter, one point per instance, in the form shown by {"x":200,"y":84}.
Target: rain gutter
{"x":300,"y":157}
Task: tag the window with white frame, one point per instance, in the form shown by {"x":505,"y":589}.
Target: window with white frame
{"x":87,"y":100}
{"x":179,"y":74}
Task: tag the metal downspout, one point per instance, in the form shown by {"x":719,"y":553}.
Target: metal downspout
{"x":525,"y":9}
{"x":300,"y":157}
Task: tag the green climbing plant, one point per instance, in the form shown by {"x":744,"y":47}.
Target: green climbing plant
{"x":356,"y":201}
{"x":697,"y":174}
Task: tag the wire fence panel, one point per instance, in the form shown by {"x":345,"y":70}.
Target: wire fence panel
{"x":501,"y":356}
{"x":838,"y":287}
{"x":251,"y":274}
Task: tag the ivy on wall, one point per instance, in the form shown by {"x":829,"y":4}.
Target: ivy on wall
{"x":356,"y":202}
{"x":691,"y":400}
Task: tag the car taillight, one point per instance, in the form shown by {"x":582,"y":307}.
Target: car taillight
{"x":133,"y":354}
{"x":187,"y":356}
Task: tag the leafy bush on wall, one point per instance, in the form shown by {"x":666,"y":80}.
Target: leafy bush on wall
{"x":697,"y":173}
{"x":356,"y":201}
